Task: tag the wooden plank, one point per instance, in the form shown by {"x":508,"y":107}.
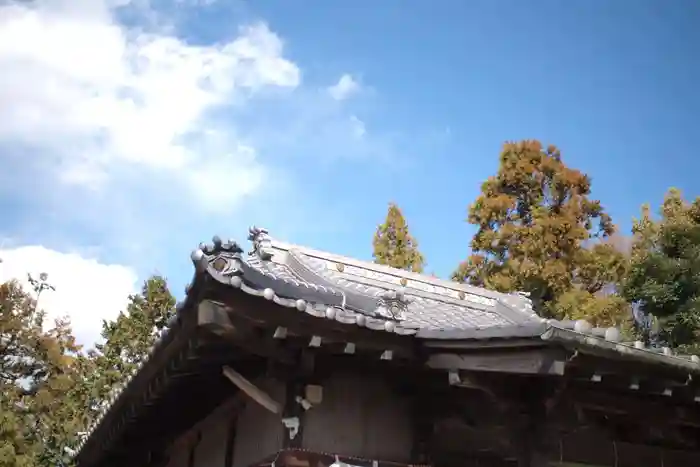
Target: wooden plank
{"x":524,"y":362}
{"x":252,"y":391}
{"x":230,"y":440}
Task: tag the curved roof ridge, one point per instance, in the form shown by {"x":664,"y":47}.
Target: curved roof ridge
{"x":327,"y":276}
{"x":400,"y":273}
{"x":516,"y":306}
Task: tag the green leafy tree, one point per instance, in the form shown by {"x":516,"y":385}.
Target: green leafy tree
{"x":538,"y":231}
{"x":393,"y":244}
{"x":20,"y":328}
{"x":128,"y":339}
{"x":664,"y":275}
{"x":50,"y":390}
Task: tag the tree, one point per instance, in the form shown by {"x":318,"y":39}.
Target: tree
{"x":52,"y":410}
{"x":539,"y":232}
{"x":50,"y":391}
{"x":129,"y":337}
{"x":393,"y":244}
{"x":664,"y":275}
{"x":15,"y":449}
{"x":39,"y":419}
{"x":20,"y":328}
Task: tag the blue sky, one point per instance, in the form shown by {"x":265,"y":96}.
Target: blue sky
{"x":163,"y":122}
{"x":613,"y":84}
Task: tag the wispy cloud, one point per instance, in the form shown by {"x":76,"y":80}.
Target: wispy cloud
{"x":100,"y":111}
{"x":344,"y":88}
{"x":123,"y":142}
{"x":103,"y":96}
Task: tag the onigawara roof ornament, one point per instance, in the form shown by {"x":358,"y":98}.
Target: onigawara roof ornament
{"x":262,"y":243}
{"x":393,"y":305}
{"x":224,"y":257}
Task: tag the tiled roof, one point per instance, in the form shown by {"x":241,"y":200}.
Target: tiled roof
{"x":432,"y":305}
{"x":359,"y":293}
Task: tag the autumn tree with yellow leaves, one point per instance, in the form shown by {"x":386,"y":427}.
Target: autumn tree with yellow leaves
{"x":51,"y":390}
{"x":539,"y":231}
{"x":40,"y":381}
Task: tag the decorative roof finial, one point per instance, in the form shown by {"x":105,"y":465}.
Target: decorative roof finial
{"x":526,"y":298}
{"x":262,"y":243}
{"x":393,"y":305}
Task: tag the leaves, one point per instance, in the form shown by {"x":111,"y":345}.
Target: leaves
{"x":538,"y":231}
{"x":393,"y":244}
{"x":129,"y":337}
{"x":664,"y":275}
{"x":37,"y":374}
{"x":51,"y":390}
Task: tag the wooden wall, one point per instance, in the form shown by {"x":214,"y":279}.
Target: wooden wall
{"x":204,"y":444}
{"x":360,"y":416}
{"x":258,"y":433}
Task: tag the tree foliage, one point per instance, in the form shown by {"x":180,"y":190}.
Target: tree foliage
{"x":15,"y":447}
{"x":38,"y":417}
{"x":664,"y":275}
{"x":51,"y":391}
{"x":393,"y":244}
{"x":129,"y":337}
{"x":539,"y":231}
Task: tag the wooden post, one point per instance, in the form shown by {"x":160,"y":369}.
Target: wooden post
{"x":295,"y":405}
{"x":293,"y":413}
{"x":527,"y":444}
{"x":524,"y":406}
{"x":528,"y":426}
{"x":422,"y":428}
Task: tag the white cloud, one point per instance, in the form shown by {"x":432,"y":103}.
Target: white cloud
{"x":95,"y":95}
{"x":359,"y":129}
{"x":133,"y":138}
{"x":87,"y":291}
{"x":344,"y":88}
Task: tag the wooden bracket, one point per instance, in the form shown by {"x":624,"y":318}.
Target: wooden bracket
{"x":252,"y":391}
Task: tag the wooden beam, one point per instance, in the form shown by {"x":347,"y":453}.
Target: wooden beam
{"x":662,"y":411}
{"x":215,"y":318}
{"x":582,"y":448}
{"x":540,"y":362}
{"x":268,"y":314}
{"x":591,"y":448}
{"x":479,"y":344}
{"x":252,"y":391}
{"x":622,"y":372}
